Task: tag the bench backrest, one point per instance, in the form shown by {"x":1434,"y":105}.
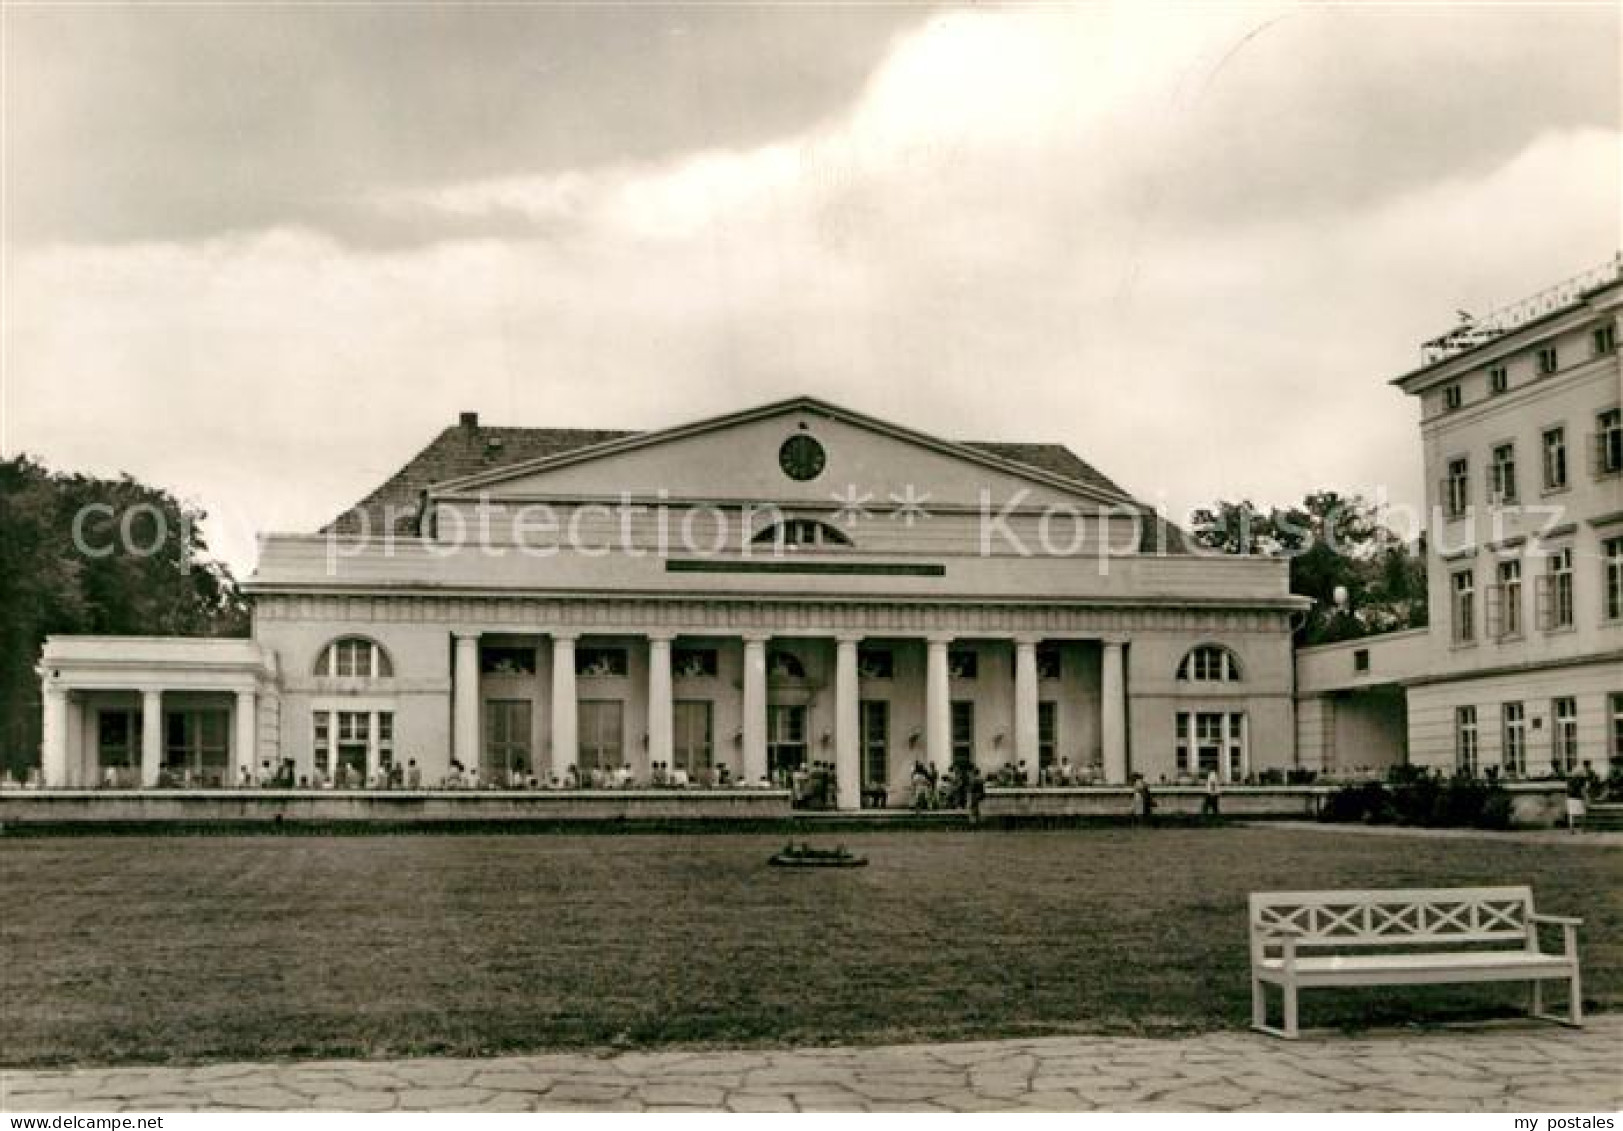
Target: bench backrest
{"x":1414,"y":916}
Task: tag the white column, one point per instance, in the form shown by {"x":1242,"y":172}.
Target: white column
{"x":53,"y":747}
{"x":661,"y":745}
{"x":1113,"y":713}
{"x":151,"y":737}
{"x":245,"y":738}
{"x":847,"y":744}
{"x":938,"y":705}
{"x":1025,"y":709}
{"x":565,"y":725}
{"x":754,"y":707}
{"x":465,"y":702}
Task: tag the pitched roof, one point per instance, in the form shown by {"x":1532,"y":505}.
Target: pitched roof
{"x":467,"y":449}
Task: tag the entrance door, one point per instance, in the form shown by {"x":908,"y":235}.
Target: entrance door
{"x":196,"y":746}
{"x":118,"y":748}
{"x":602,"y":736}
{"x":692,"y":745}
{"x":785,"y":739}
{"x":963,"y":734}
{"x":875,"y":718}
{"x":507,"y":740}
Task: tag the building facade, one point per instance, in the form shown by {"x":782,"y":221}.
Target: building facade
{"x":1522,"y":666}
{"x":787,"y":585}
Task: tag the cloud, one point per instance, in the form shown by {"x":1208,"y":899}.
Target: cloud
{"x":1192,"y":248}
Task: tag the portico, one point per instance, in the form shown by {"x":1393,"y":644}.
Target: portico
{"x":139,"y":711}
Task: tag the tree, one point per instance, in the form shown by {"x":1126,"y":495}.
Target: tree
{"x":88,"y":555}
{"x":1334,"y":543}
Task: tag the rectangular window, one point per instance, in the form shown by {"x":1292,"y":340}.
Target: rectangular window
{"x":875,"y":742}
{"x":1464,"y":585}
{"x":1457,"y":487}
{"x":1452,"y":397}
{"x":1498,"y":379}
{"x":693,"y":743}
{"x":1557,"y":596}
{"x":694,"y":663}
{"x":1617,"y":730}
{"x":601,"y":663}
{"x":1612,"y":554}
{"x":1507,"y":609}
{"x":322,"y":745}
{"x":876,"y":663}
{"x":1361,"y":660}
{"x":963,"y":663}
{"x":1603,"y":339}
{"x":1047,"y":735}
{"x":963,"y":732}
{"x":1465,"y":746}
{"x":1548,"y":360}
{"x":1048,"y":661}
{"x":507,"y":740}
{"x":502,"y":659}
{"x":1555,"y":459}
{"x":1502,"y":474}
{"x":1609,"y":442}
{"x":1565,"y":749}
{"x":1514,"y":761}
{"x":602,"y":736}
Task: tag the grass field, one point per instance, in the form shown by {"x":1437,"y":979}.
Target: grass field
{"x":127,"y":949}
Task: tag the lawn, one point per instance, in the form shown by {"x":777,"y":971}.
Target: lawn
{"x":125,"y":949}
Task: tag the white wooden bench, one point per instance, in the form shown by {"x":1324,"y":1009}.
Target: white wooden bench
{"x":1310,"y":939}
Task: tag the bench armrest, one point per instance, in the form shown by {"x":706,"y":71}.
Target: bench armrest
{"x":1557,"y":920}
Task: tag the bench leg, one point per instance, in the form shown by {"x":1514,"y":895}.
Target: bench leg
{"x":1290,"y":1012}
{"x":1259,"y":1005}
{"x":1538,"y":998}
{"x":1575,"y":1007}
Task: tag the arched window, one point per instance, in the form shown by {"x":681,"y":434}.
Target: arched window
{"x":354,"y":657}
{"x":1209,"y":663}
{"x":785,"y":665}
{"x":801,"y":532}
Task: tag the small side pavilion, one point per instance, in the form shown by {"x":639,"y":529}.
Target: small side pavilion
{"x":144,"y":711}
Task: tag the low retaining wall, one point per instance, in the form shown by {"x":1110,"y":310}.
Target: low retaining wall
{"x":1297,"y":801}
{"x":258,"y":806}
{"x":1534,"y":805}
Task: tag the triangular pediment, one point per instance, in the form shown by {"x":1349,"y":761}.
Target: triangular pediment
{"x":798,"y":452}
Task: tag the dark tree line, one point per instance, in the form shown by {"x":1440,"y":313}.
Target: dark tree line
{"x":138,"y":566}
{"x":1333,"y":542}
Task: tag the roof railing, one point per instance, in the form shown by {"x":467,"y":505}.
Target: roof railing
{"x":1473,"y":331}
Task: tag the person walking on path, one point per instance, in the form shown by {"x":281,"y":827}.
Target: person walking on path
{"x":1214,"y":790}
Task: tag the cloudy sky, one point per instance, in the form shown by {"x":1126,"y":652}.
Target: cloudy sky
{"x":260,"y":255}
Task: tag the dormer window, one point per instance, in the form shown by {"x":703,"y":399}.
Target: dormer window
{"x":801,"y":532}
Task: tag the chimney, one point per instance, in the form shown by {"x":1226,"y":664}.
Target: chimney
{"x":469,"y":420}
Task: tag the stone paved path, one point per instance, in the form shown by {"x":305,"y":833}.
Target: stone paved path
{"x":1521,"y":1067}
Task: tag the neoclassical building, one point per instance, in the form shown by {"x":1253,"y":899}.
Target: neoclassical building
{"x":1520,"y":669}
{"x":789,"y":584}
